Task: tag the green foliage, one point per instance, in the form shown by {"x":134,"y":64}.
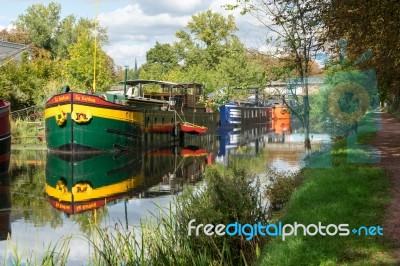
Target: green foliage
{"x":206,"y":42}
{"x":343,"y":100}
{"x":26,"y":131}
{"x":80,"y":66}
{"x":41,"y":23}
{"x":361,"y":23}
{"x":54,"y":254}
{"x":22,"y":84}
{"x":239,"y":71}
{"x":208,"y":52}
{"x":62,"y":52}
{"x":281,"y":187}
{"x":162,"y":54}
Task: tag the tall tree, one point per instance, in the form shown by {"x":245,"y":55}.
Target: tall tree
{"x":162,"y":55}
{"x":369,"y":25}
{"x":296,"y":26}
{"x":40,"y":22}
{"x":206,"y":39}
{"x":79,"y":68}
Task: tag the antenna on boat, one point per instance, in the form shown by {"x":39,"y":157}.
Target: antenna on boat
{"x":125,"y":77}
{"x":95,"y":49}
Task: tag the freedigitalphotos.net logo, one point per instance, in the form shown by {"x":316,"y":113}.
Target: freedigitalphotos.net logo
{"x":281,"y":230}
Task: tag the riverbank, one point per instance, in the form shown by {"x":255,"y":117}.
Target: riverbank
{"x":353,"y":191}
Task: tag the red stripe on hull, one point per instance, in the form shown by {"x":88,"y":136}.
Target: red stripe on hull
{"x":79,"y":98}
{"x":73,"y":208}
{"x":5,"y":157}
{"x":161,"y":128}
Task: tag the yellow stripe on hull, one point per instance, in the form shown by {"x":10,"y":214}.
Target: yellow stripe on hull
{"x":107,"y":113}
{"x":102,"y":192}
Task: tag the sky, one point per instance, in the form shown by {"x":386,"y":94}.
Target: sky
{"x":134,"y":26}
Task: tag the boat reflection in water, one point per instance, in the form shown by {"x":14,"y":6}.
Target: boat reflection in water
{"x":232,"y":141}
{"x":76,"y":183}
{"x":5,"y":206}
{"x":180,"y":166}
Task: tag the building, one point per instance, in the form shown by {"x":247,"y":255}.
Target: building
{"x":11,"y":51}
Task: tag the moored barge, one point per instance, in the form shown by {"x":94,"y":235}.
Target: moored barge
{"x":128,"y":119}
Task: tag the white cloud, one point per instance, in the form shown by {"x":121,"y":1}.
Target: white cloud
{"x":132,"y":20}
{"x":132,"y":32}
{"x":174,"y":6}
{"x":124,"y":54}
{"x":134,"y":26}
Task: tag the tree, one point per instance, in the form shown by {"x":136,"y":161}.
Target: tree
{"x":15,"y":35}
{"x":369,"y":25}
{"x":23,"y":82}
{"x":296,"y":26}
{"x":242,"y":70}
{"x":163,"y":54}
{"x":80,"y":67}
{"x":65,"y":36}
{"x":45,"y":29}
{"x":60,"y":52}
{"x":206,"y":40}
{"x":40,"y":22}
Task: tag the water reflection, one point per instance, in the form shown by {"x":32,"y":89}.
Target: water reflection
{"x":5,"y":206}
{"x":53,"y":195}
{"x":78,"y":183}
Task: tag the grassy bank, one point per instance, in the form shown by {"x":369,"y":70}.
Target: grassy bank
{"x":25,"y":131}
{"x":346,"y":193}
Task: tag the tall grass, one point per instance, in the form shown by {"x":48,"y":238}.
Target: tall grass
{"x":54,"y":254}
{"x":229,"y":196}
{"x":25,"y":131}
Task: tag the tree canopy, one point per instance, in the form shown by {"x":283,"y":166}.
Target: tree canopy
{"x":369,"y":25}
{"x":208,"y":51}
{"x":61,"y":53}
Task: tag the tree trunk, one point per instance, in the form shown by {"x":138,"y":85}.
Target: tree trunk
{"x":307,"y":142}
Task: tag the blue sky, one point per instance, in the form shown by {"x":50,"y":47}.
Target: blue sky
{"x":134,"y":26}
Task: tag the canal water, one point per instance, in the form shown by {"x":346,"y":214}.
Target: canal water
{"x":38,"y":209}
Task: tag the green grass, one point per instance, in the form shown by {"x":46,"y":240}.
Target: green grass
{"x":24,"y":131}
{"x":346,"y":193}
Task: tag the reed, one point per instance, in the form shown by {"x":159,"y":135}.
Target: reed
{"x":163,"y":239}
{"x":25,"y":131}
{"x":53,"y":254}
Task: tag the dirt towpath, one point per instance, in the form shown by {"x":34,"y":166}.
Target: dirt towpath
{"x":388,"y":142}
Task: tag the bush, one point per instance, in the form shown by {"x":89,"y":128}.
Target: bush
{"x":280,"y":187}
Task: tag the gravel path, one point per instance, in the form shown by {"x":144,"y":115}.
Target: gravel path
{"x":388,"y":142}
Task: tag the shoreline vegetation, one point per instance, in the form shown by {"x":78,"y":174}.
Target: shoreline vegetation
{"x":351,"y":189}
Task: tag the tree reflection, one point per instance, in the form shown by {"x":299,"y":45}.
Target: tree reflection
{"x":28,"y":199}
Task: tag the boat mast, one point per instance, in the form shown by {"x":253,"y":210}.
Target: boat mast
{"x":95,"y":49}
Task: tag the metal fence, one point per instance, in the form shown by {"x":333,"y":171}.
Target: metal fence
{"x":32,"y":113}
